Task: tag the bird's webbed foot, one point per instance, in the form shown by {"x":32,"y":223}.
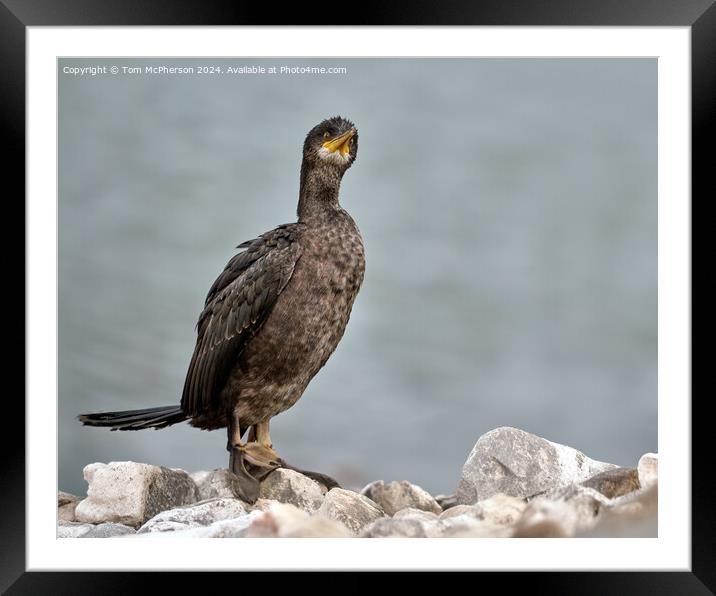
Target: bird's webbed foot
{"x":323,"y":479}
{"x":251,"y":463}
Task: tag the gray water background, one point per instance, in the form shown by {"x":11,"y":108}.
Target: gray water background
{"x":509,"y":213}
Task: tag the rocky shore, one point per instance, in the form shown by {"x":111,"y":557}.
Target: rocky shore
{"x":513,"y":484}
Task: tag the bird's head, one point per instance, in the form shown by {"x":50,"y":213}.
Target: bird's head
{"x":332,"y":143}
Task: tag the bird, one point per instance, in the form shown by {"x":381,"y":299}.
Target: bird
{"x":271,"y":319}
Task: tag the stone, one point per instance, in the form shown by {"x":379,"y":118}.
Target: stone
{"x":289,"y":486}
{"x":576,"y":491}
{"x":446,"y":501}
{"x":263,"y":526}
{"x":634,"y":515}
{"x":64,"y":498}
{"x":109,"y":530}
{"x":397,"y":495}
{"x":200,"y":514}
{"x":391,"y":527}
{"x":501,"y":510}
{"x":465,"y":526}
{"x":648,"y":469}
{"x":66,"y":505}
{"x":463,"y":521}
{"x":519,"y":464}
{"x":225,"y":528}
{"x":561,"y":513}
{"x":263,"y":505}
{"x":283,"y":520}
{"x":614,"y":483}
{"x":417,"y":514}
{"x":316,"y":526}
{"x":68,"y":529}
{"x":217,"y":483}
{"x":131,"y":493}
{"x":353,"y":510}
{"x":542,"y":520}
{"x":640,"y":503}
{"x":275,"y":516}
{"x":469,"y":510}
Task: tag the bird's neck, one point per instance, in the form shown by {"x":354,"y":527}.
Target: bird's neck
{"x":318,"y":194}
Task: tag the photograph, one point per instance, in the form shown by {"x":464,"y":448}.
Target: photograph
{"x":357,"y":297}
{"x":417,"y":291}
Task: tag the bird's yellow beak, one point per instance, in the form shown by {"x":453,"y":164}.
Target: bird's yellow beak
{"x":341,"y":143}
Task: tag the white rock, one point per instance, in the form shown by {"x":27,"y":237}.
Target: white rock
{"x":201,"y":514}
{"x":519,"y":464}
{"x":634,"y":515}
{"x":642,"y":502}
{"x":316,"y":526}
{"x":470,"y":510}
{"x":465,"y":526}
{"x":648,"y":468}
{"x":109,"y":530}
{"x":283,"y":520}
{"x":392,"y":527}
{"x":351,"y":509}
{"x":561,"y":513}
{"x":264,"y":525}
{"x":130,"y":493}
{"x":289,"y":486}
{"x":397,"y":495}
{"x":66,"y":505}
{"x":275,"y":516}
{"x":67,"y":529}
{"x":615,"y":482}
{"x":213,"y":484}
{"x":464,"y":521}
{"x":227,"y":528}
{"x":545,"y":519}
{"x":263,"y":505}
{"x":446,"y":501}
{"x":576,"y":491}
{"x":501,"y":510}
{"x":417,"y":514}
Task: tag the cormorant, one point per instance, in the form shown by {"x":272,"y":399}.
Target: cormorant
{"x":272,"y":318}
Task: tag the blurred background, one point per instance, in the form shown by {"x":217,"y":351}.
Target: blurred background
{"x":509,"y":213}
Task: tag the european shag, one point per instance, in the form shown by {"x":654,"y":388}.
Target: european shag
{"x":272,"y":318}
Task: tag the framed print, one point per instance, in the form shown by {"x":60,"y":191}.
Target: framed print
{"x":477,"y":231}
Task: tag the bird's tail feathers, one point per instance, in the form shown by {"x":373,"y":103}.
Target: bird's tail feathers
{"x":136,"y":419}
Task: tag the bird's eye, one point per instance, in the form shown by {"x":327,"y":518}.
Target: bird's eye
{"x":326,"y":135}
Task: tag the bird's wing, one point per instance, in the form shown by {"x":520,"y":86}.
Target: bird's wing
{"x":236,"y":306}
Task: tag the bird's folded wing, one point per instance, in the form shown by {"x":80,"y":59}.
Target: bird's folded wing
{"x":237,"y":305}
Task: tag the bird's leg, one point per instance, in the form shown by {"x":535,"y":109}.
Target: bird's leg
{"x":259,"y":453}
{"x":262,"y":437}
{"x":251,"y":461}
{"x":248,"y":486}
{"x":262,"y":459}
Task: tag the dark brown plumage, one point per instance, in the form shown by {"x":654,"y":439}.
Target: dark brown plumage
{"x":275,"y":314}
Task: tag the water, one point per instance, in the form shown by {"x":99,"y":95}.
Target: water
{"x":509,"y":214}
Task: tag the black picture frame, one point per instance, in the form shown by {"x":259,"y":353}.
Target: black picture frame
{"x":16,"y":15}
